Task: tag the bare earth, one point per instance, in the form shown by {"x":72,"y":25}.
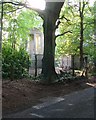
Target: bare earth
{"x":21,"y":94}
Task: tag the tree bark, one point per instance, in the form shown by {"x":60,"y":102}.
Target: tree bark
{"x":81,"y":11}
{"x":48,"y":67}
{"x":49,"y":16}
{"x":81,"y":42}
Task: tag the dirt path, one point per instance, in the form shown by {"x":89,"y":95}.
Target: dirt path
{"x":21,"y":94}
{"x":74,"y":105}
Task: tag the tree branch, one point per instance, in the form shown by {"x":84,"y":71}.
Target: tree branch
{"x":64,"y":18}
{"x":14,"y":3}
{"x":58,"y":22}
{"x":80,"y":9}
{"x":62,"y":34}
{"x":40,"y":12}
{"x":83,"y":7}
{"x":14,"y":10}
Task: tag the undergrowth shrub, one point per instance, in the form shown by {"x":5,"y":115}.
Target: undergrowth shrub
{"x":15,"y":63}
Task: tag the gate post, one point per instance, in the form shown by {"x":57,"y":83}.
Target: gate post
{"x":35,"y":65}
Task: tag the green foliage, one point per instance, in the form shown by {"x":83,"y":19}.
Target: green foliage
{"x":15,"y":63}
{"x":27,"y":20}
{"x":16,"y":29}
{"x":18,"y":23}
{"x":70,"y":43}
{"x":67,"y":77}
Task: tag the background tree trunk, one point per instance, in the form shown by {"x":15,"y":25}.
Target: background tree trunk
{"x":73,"y":67}
{"x":81,"y":11}
{"x":81,"y":43}
{"x":95,"y":36}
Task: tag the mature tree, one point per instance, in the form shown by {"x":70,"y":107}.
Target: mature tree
{"x":50,"y":16}
{"x":78,"y":19}
{"x":68,"y":43}
{"x":81,"y":14}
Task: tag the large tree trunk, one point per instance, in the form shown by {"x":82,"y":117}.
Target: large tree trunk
{"x":48,"y":67}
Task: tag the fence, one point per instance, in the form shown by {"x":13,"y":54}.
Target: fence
{"x":35,"y":68}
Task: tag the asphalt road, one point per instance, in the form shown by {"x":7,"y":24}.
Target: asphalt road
{"x":79,"y":104}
